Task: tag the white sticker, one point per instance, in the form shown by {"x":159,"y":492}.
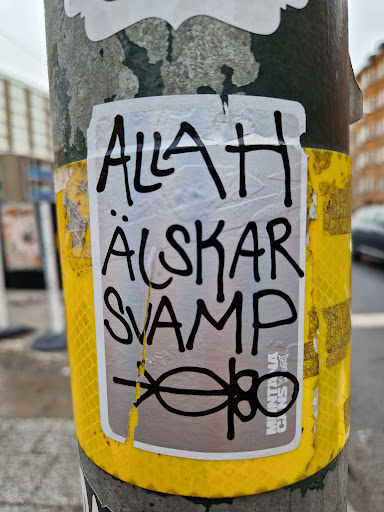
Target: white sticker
{"x":104,"y":18}
{"x":198,"y":223}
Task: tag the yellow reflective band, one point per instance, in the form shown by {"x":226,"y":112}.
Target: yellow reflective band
{"x":326,"y":388}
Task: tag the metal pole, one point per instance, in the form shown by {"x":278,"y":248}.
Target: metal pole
{"x":55,"y":337}
{"x":3,"y":299}
{"x":303,"y":59}
{"x":50,"y":269}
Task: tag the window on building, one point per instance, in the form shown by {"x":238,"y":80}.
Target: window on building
{"x":366,"y":106}
{"x":363,"y":134}
{"x":4,"y":143}
{"x":364,"y":80}
{"x":370,"y":184}
{"x":371,"y":157}
{"x":362,"y":160}
{"x":379,"y":72}
{"x":372,"y":130}
{"x":380,"y":183}
{"x":40,"y":127}
{"x":19,"y":120}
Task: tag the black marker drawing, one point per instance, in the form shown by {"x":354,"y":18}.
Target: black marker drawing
{"x":232,"y":391}
{"x":217,"y":285}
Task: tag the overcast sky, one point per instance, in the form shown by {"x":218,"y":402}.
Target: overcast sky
{"x":22,"y":39}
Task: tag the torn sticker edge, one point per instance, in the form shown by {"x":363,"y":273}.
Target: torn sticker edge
{"x":93,"y":506}
{"x":102,"y":21}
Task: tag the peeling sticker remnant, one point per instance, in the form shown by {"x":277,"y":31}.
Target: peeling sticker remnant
{"x":104,"y":18}
{"x":73,"y":181}
{"x":198,"y":224}
{"x":338,"y":320}
{"x":337,"y":212}
{"x":91,"y":502}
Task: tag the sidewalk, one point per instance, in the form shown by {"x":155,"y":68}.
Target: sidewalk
{"x":39,"y":469}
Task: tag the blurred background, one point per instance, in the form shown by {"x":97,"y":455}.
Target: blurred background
{"x":34,"y":374}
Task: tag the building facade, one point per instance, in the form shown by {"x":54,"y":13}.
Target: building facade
{"x":367,"y":136}
{"x":26,"y":177}
{"x":26,"y":155}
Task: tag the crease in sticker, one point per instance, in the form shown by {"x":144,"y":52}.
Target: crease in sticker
{"x":133,"y":417}
{"x":251,"y":138}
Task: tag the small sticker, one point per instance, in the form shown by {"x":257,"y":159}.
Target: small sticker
{"x":91,"y":502}
{"x":198,"y":224}
{"x":104,"y":18}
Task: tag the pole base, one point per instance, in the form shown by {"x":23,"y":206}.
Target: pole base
{"x":51,"y":341}
{"x":13,"y":331}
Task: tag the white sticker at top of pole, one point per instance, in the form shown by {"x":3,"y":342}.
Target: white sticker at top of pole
{"x":198,"y":224}
{"x":104,"y":18}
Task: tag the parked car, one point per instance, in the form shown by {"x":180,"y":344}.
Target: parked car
{"x":368,"y":232}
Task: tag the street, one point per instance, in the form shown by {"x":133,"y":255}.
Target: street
{"x":366,"y":444}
